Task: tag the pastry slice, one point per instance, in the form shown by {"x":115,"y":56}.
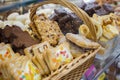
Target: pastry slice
{"x":38,"y":65}
{"x":25,"y":71}
{"x":53,"y":64}
{"x":40,"y":59}
{"x":47,"y":29}
{"x":82,"y":41}
{"x":4,"y":74}
{"x":5,"y":71}
{"x":59,"y":55}
{"x":8,"y":72}
{"x":38,"y":50}
{"x":47,"y":60}
{"x":35,"y":32}
{"x":6,"y":52}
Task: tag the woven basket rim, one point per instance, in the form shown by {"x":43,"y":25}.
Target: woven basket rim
{"x":64,"y":70}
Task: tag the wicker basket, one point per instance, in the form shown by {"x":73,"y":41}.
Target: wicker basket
{"x":75,"y":69}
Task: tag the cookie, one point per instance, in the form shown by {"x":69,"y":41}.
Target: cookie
{"x":81,"y":41}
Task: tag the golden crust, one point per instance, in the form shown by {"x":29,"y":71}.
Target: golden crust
{"x":81,"y":41}
{"x":47,"y":29}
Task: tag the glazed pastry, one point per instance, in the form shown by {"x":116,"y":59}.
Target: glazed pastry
{"x":46,"y":29}
{"x":82,"y":41}
{"x":59,"y":55}
{"x":30,"y":72}
{"x":52,"y":62}
{"x":20,"y":69}
{"x":6,"y":52}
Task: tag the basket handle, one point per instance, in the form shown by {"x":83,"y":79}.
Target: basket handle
{"x":79,"y":12}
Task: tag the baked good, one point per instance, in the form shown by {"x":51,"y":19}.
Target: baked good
{"x":20,"y":68}
{"x":40,"y":58}
{"x":95,"y":8}
{"x":36,"y":53}
{"x":59,"y":55}
{"x":46,"y":29}
{"x":75,"y":50}
{"x":82,"y":41}
{"x":39,"y":50}
{"x":107,"y":27}
{"x":62,"y":40}
{"x":38,"y":65}
{"x":28,"y":52}
{"x":33,"y":56}
{"x":6,"y":52}
{"x":17,"y":38}
{"x":67,"y":21}
{"x":41,"y":61}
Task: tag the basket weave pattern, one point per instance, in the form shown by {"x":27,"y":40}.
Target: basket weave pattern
{"x":75,"y":69}
{"x":78,"y":72}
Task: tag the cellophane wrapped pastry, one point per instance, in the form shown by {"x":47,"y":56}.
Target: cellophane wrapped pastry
{"x":16,"y":67}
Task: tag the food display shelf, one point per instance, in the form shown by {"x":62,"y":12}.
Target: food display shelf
{"x":111,"y":59}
